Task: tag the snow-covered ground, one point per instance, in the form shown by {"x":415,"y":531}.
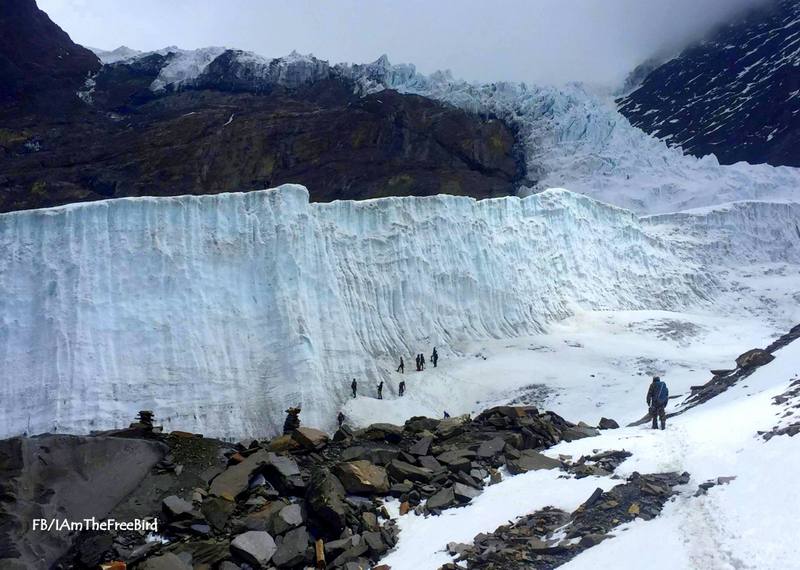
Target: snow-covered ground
{"x":748,"y":523}
{"x":590,"y":365}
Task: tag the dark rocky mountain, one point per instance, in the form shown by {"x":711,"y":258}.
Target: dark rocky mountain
{"x":38,"y":60}
{"x":245,"y":123}
{"x":736,"y":94}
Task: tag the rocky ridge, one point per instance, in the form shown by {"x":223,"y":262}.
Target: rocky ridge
{"x":145,"y":126}
{"x":550,"y":537}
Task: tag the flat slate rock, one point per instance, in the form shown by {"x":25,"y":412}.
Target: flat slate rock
{"x":255,"y":547}
{"x":531,"y":461}
{"x":235,"y":479}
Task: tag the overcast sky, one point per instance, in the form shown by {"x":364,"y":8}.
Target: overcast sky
{"x":539,"y":41}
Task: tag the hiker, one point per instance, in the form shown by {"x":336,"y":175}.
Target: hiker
{"x":340,"y":418}
{"x":402,"y":368}
{"x":434,"y":357}
{"x":419,"y":366}
{"x":402,"y":388}
{"x":446,"y":415}
{"x":422,"y":361}
{"x":380,"y":390}
{"x":354,"y":387}
{"x":657,"y":398}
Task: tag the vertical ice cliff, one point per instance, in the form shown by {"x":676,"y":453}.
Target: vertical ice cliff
{"x":219,"y":311}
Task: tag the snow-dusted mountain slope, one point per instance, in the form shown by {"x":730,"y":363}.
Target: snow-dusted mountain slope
{"x":572,"y":138}
{"x":219,"y":311}
{"x":736,"y":94}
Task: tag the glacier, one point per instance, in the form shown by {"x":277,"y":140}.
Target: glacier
{"x":572,"y":137}
{"x":220,"y":311}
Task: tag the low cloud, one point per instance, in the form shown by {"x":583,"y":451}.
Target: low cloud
{"x":538,"y":41}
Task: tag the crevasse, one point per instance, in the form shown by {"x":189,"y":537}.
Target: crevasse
{"x":219,"y":311}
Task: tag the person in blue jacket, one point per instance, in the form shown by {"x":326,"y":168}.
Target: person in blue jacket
{"x":657,"y":398}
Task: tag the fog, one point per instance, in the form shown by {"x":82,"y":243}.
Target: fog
{"x":537,"y":41}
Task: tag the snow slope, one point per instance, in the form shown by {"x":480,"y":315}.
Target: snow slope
{"x":219,"y":311}
{"x":748,"y":523}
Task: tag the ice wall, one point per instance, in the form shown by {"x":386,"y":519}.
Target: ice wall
{"x":219,"y":311}
{"x":745,"y":232}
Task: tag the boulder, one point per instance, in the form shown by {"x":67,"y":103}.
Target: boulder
{"x":457,"y":460}
{"x":429,"y":462}
{"x":310,"y":438}
{"x":375,"y":542}
{"x":400,"y":471}
{"x":531,"y":461}
{"x":491,"y":447}
{"x":283,"y":443}
{"x":465,"y":493}
{"x":362,"y":477}
{"x":450,"y":427}
{"x":441,"y":500}
{"x":325,"y":502}
{"x":455,"y":456}
{"x":255,"y":547}
{"x":284,"y":473}
{"x":579,"y":431}
{"x":293,"y":548}
{"x":264,"y":518}
{"x":398,"y":489}
{"x":422,"y":446}
{"x":381,"y":432}
{"x":418,"y":424}
{"x":344,"y":433}
{"x":370,"y":521}
{"x":217,"y":511}
{"x":358,"y":547}
{"x":754,"y":357}
{"x":607,"y":423}
{"x":235,"y":479}
{"x":176,"y":508}
{"x":377,"y":453}
{"x":287,"y":518}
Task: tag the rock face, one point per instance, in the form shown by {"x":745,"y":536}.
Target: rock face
{"x":299,"y":122}
{"x":733,"y":95}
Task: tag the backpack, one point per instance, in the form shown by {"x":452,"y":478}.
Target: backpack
{"x":661,"y":393}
